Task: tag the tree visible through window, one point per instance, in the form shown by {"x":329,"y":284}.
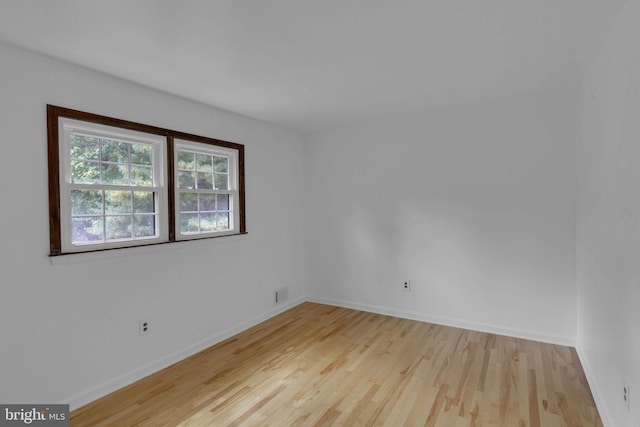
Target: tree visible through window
{"x":112,"y":194}
{"x":115,"y":183}
{"x":205,"y":189}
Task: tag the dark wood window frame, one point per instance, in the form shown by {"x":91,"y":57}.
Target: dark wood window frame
{"x":54,"y":113}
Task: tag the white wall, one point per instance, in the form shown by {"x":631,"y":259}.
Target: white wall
{"x":608,"y":230}
{"x":69,"y":331}
{"x":475,"y":205}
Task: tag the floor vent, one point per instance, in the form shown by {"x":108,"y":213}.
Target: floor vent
{"x":281,"y":295}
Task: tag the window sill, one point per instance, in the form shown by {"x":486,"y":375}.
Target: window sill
{"x":80,"y":257}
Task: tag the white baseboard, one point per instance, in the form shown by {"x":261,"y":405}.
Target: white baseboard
{"x":603,"y":409}
{"x":456,"y":323}
{"x":110,"y":386}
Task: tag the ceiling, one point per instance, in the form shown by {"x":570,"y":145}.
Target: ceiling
{"x":310,"y":65}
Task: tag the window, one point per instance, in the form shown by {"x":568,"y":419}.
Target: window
{"x":114,"y":184}
{"x":113,"y":188}
{"x":205,"y":189}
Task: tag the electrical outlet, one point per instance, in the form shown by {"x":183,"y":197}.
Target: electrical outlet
{"x":144,"y":327}
{"x":626,"y":396}
{"x":406,"y":285}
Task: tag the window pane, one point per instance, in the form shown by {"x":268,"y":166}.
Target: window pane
{"x":223,"y":202}
{"x":222,"y":181}
{"x":113,"y":174}
{"x":187,"y":180}
{"x":143,"y":202}
{"x":144,"y":225}
{"x":141,"y":154}
{"x":115,"y":151}
{"x":188,"y":202}
{"x":223,"y":221}
{"x":221,"y":164}
{"x":141,"y":175}
{"x":85,"y":147}
{"x":207,"y":222}
{"x":86,"y":229}
{"x":205,"y":181}
{"x":186,"y":160}
{"x":85,"y":172}
{"x":118,"y":227}
{"x":207,"y":202}
{"x":117,"y":202}
{"x":189,"y":223}
{"x":86,"y":202}
{"x":205,"y":162}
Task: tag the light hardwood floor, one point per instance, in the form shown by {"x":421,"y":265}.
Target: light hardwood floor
{"x":322,"y":365}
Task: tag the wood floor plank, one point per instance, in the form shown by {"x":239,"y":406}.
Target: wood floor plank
{"x":318,"y":365}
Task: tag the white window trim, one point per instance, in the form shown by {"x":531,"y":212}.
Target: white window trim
{"x":234,"y":208}
{"x":68,"y":126}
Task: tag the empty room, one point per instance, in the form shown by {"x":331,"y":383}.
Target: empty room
{"x":307,"y":213}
